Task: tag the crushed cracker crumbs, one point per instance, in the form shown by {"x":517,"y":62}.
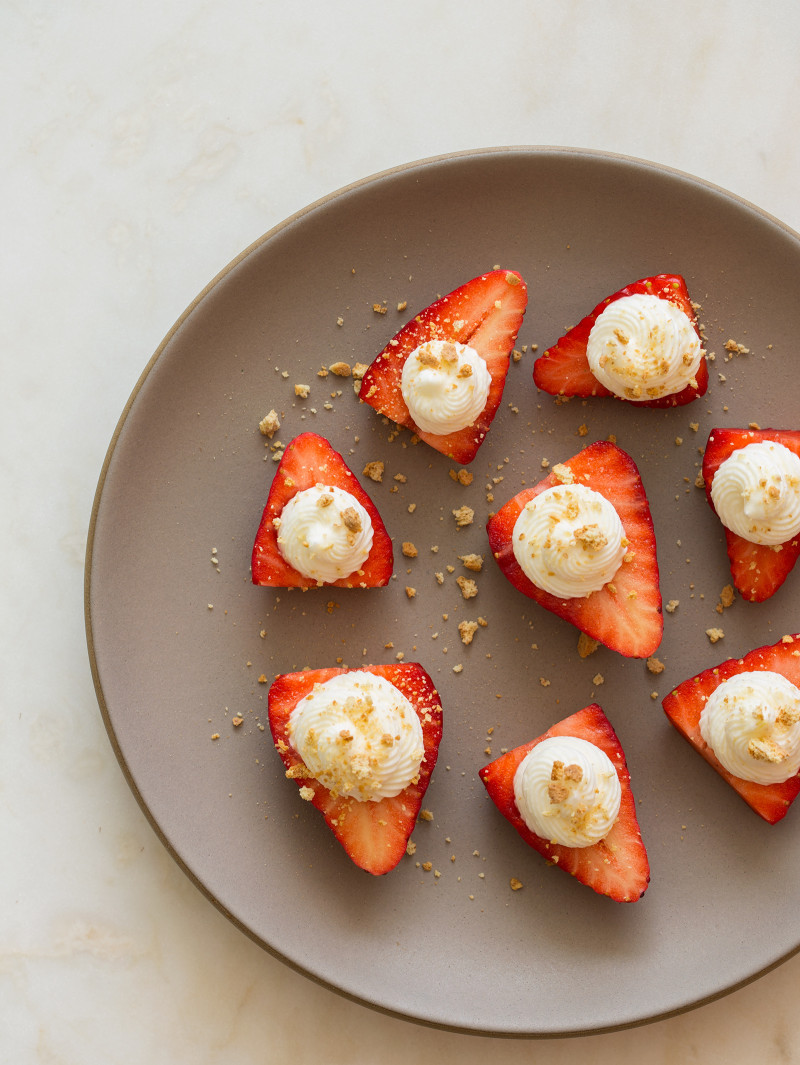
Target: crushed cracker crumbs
{"x":586,"y":645}
{"x":409,"y":550}
{"x":464,"y":516}
{"x":472,"y":562}
{"x":462,"y":476}
{"x":598,"y":679}
{"x":469,"y":588}
{"x":715,"y":634}
{"x":672,"y":606}
{"x":655,"y":665}
{"x":341,"y":369}
{"x":269,"y":424}
{"x":515,"y":884}
{"x":374,"y":470}
{"x":302,"y":391}
{"x":467,"y":630}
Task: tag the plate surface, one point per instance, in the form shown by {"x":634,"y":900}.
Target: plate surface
{"x":178,"y":636}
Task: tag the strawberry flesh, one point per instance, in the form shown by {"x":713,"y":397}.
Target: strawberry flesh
{"x":563,"y":370}
{"x":758,"y":570}
{"x":485,"y":314}
{"x":374,"y":834}
{"x":308,"y":460}
{"x":617,"y":866}
{"x":684,"y":705}
{"x":625,"y":614}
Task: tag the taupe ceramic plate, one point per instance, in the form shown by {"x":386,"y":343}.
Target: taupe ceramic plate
{"x":179,"y":636}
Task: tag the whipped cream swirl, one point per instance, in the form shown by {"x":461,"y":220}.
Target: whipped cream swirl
{"x":445,"y":386}
{"x":569,"y":540}
{"x":752,"y":724}
{"x":567,"y":791}
{"x":359,"y":736}
{"x":325,"y":533}
{"x":756,"y":493}
{"x":642,"y":347}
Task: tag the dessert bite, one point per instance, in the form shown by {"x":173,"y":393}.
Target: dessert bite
{"x":568,"y":795}
{"x":361,"y":745}
{"x":581,"y":543}
{"x":442,"y":375}
{"x":752,"y":482}
{"x":641,"y":345}
{"x":743,"y":717}
{"x":319,"y":526}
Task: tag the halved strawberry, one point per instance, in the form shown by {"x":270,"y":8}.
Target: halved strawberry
{"x":625,"y":614}
{"x":758,"y":570}
{"x":684,"y":705}
{"x":485,"y":314}
{"x":374,"y":834}
{"x":308,"y":460}
{"x":617,"y":866}
{"x":563,"y":370}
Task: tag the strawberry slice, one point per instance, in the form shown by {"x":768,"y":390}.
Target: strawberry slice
{"x":374,"y":834}
{"x":625,"y":614}
{"x":308,"y":460}
{"x":485,"y":314}
{"x":758,"y":570}
{"x":617,"y":866}
{"x":684,"y":705}
{"x":563,"y":370}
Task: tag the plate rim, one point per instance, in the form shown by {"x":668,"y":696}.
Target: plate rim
{"x":375,"y":178}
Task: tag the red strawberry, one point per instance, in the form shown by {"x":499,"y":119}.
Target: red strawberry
{"x":625,"y":615}
{"x":684,"y":705}
{"x":374,"y":834}
{"x":617,"y":866}
{"x":563,"y":370}
{"x":307,"y":461}
{"x":486,"y":314}
{"x":758,"y":570}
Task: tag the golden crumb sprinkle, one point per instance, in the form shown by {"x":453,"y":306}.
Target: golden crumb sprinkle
{"x":306,"y":793}
{"x":563,"y":473}
{"x":472,"y":562}
{"x":467,"y":630}
{"x":262,"y":678}
{"x":351,"y":519}
{"x":469,"y":588}
{"x":411,"y":592}
{"x":672,"y":606}
{"x":464,"y":516}
{"x":426,"y":815}
{"x":341,"y":369}
{"x":302,"y":391}
{"x":409,"y":550}
{"x":715,"y":634}
{"x":598,"y":679}
{"x":515,"y":884}
{"x":374,"y":470}
{"x":401,"y":306}
{"x":461,"y":476}
{"x":654,"y":665}
{"x":727,"y":596}
{"x":237,"y":721}
{"x":411,"y":847}
{"x":378,"y":309}
{"x":586,"y":645}
{"x":269,"y":424}
{"x":359,"y":369}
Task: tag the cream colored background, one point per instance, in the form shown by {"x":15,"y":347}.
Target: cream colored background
{"x":144,"y":146}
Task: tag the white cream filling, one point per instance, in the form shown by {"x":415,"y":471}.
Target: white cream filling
{"x":445,"y":386}
{"x":756,"y":493}
{"x":567,"y":791}
{"x":642,"y":347}
{"x":359,"y":736}
{"x":569,"y":540}
{"x":324,"y":533}
{"x":752,"y":724}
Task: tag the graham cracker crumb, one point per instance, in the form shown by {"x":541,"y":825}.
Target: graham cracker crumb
{"x":586,"y":645}
{"x":411,"y":848}
{"x":472,"y":562}
{"x":715,"y":634}
{"x":655,"y":665}
{"x":545,"y":683}
{"x":378,"y":309}
{"x":269,"y":424}
{"x":672,"y":606}
{"x":515,"y":884}
{"x":374,"y":470}
{"x":411,"y":592}
{"x":409,"y":550}
{"x":563,"y":473}
{"x":464,"y":516}
{"x":598,"y":679}
{"x":302,"y":391}
{"x":467,"y":630}
{"x":462,"y":476}
{"x":426,"y":815}
{"x":469,"y":588}
{"x":237,"y":721}
{"x":726,"y":598}
{"x":341,"y":369}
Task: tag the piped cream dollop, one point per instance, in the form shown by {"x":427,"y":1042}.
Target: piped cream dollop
{"x":359,"y":736}
{"x":325,"y":533}
{"x":752,"y":724}
{"x":642,"y":347}
{"x":569,"y":540}
{"x":756,"y":493}
{"x":445,"y":386}
{"x":567,"y":791}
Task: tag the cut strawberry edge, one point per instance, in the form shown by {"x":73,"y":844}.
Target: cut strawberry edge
{"x":308,"y":460}
{"x":758,"y":570}
{"x":685,"y":703}
{"x":617,"y":866}
{"x":374,"y":834}
{"x":563,"y":370}
{"x":627,"y":619}
{"x":486,"y":314}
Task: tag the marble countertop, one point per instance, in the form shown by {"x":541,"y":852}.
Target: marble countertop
{"x":146,"y":145}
